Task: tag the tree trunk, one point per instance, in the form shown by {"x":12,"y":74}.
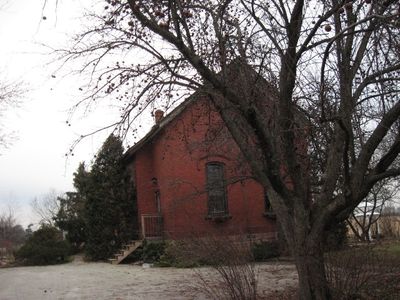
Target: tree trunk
{"x":311,"y":271}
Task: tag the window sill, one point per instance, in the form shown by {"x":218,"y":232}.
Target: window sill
{"x":270,"y":215}
{"x":218,"y":218}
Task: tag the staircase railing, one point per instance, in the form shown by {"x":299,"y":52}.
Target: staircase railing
{"x":152,"y":226}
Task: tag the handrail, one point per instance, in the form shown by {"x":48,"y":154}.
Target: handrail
{"x":152,"y":225}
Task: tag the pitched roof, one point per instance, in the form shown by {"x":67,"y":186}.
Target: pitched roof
{"x":160,"y":126}
{"x":234,"y":68}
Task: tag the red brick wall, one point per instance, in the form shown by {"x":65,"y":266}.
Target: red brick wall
{"x":177,"y":157}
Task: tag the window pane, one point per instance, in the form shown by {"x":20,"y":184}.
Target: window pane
{"x":216,"y":189}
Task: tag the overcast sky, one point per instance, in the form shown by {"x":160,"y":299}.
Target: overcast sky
{"x":35,"y":162}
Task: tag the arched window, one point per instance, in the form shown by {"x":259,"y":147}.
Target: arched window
{"x":217,"y":202}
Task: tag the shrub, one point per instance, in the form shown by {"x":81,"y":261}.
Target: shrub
{"x":152,"y":251}
{"x":44,"y":247}
{"x":229,"y":257}
{"x":176,"y":255}
{"x":363,"y":273}
{"x":265,"y":250}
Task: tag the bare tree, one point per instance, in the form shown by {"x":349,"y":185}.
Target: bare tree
{"x":364,"y":220}
{"x":7,"y":221}
{"x":390,"y":222}
{"x":11,"y":233}
{"x":10,"y":95}
{"x":336,"y":61}
{"x":46,"y":207}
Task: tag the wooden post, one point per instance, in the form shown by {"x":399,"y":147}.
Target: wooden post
{"x":143,"y":228}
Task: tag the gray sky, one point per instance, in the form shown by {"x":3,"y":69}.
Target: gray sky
{"x":36,"y":163}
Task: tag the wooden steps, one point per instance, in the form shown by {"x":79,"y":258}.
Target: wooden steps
{"x":125,"y":251}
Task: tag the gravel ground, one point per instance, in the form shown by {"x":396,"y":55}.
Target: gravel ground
{"x":80,"y":280}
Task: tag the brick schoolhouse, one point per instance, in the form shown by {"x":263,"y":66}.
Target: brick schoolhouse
{"x":191,"y":179}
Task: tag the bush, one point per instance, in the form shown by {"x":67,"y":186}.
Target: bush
{"x":44,"y":247}
{"x":363,"y":273}
{"x":175,"y":255}
{"x":265,"y":250}
{"x":231,"y":258}
{"x":153,"y":251}
{"x":150,"y":252}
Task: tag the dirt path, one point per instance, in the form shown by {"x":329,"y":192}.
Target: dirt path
{"x":97,"y":281}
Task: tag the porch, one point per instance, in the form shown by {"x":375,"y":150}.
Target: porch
{"x":151,"y":226}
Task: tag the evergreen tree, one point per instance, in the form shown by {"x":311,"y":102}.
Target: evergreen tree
{"x":71,"y":215}
{"x":70,"y":218}
{"x":110,"y":206}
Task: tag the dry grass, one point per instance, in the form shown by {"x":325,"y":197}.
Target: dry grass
{"x":363,"y":273}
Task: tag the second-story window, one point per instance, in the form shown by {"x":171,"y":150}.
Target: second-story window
{"x":217,"y":202}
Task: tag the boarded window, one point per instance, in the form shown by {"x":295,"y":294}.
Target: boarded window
{"x":217,"y":204}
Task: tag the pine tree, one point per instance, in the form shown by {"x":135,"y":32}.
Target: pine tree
{"x":110,"y":207}
{"x":71,"y":215}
